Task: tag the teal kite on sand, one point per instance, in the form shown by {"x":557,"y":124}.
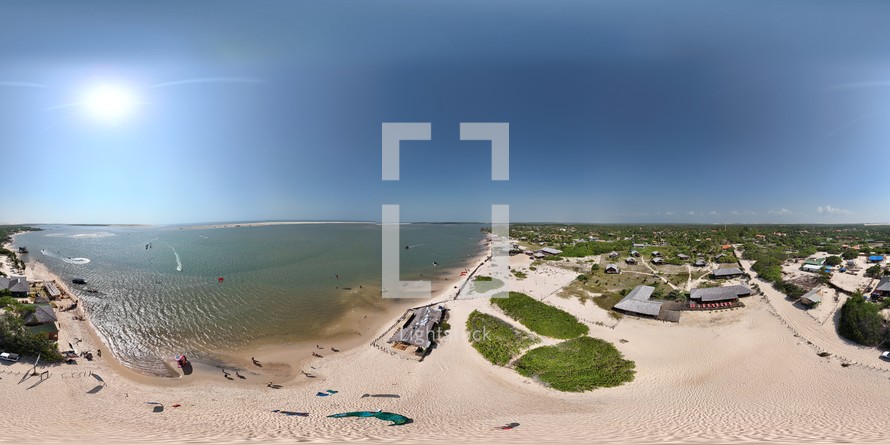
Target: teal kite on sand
{"x":396,"y":419}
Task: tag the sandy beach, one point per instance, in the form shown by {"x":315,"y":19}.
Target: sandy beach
{"x":750,"y":374}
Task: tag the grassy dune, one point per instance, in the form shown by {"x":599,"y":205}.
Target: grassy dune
{"x":541,"y":318}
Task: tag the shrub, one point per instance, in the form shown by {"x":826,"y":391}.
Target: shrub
{"x":14,"y":338}
{"x":541,"y":318}
{"x":577,"y":365}
{"x":833,"y":260}
{"x":861,"y":321}
{"x":496,"y":339}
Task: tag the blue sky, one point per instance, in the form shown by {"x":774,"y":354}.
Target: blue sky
{"x":619,"y":111}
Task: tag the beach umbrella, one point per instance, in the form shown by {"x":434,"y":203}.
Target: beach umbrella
{"x":220,"y":279}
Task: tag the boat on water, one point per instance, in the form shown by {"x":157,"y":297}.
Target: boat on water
{"x":182,"y":360}
{"x":79,"y":281}
{"x":93,"y":291}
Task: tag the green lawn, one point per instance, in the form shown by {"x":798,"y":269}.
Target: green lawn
{"x":577,"y":365}
{"x":541,"y":318}
{"x":496,"y":339}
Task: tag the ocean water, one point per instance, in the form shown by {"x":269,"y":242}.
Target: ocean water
{"x":281,"y":284}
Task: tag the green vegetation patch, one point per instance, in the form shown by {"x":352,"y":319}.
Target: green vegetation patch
{"x":15,"y":338}
{"x":483,"y":286}
{"x":577,"y":365}
{"x":496,"y":339}
{"x":861,"y":322}
{"x":541,"y":318}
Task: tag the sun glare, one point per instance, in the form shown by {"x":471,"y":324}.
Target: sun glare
{"x":109,"y":103}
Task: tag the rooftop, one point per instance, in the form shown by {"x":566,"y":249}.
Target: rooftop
{"x":417,"y":329}
{"x":43,"y":313}
{"x":883,"y":285}
{"x":51,"y":289}
{"x":14,"y":284}
{"x":637,"y":301}
{"x":719,"y":293}
{"x":814,"y":296}
{"x":728,"y":272}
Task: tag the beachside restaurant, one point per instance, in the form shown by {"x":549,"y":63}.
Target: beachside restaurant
{"x":637,"y":302}
{"x":417,"y":333}
{"x":717,"y":297}
{"x":51,"y":290}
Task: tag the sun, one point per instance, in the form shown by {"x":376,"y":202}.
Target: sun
{"x":109,"y":103}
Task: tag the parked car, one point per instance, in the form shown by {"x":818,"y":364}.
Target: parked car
{"x":885,"y":356}
{"x":9,"y":356}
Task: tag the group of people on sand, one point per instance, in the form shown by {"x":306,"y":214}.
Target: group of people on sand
{"x":275,"y":386}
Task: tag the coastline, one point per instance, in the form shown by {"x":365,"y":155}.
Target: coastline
{"x":286,"y":360}
{"x":456,"y":395}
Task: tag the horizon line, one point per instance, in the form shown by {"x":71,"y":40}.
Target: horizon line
{"x":341,"y":221}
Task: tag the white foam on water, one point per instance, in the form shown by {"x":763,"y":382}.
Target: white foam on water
{"x":81,"y":235}
{"x":178,"y":261}
{"x":68,"y":260}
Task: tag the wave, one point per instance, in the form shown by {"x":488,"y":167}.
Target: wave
{"x":178,"y":261}
{"x":68,"y":260}
{"x":203,"y":236}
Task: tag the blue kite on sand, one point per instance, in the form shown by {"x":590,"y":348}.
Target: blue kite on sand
{"x":396,"y":419}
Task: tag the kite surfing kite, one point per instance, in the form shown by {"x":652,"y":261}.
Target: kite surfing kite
{"x":396,"y":419}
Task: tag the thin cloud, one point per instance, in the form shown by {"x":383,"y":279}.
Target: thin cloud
{"x":712,"y":212}
{"x":782,"y":212}
{"x":829,"y":210}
